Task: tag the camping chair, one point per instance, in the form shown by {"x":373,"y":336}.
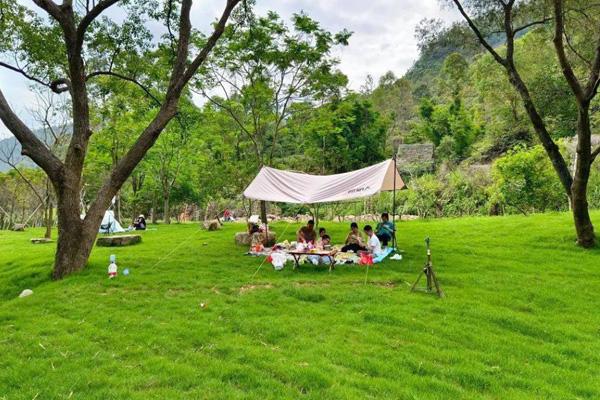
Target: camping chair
{"x":106,"y":228}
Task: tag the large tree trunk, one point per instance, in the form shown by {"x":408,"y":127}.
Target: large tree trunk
{"x":583,"y":223}
{"x":581,"y":216}
{"x":75,"y":236}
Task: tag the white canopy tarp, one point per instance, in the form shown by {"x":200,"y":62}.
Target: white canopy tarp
{"x":293,"y":187}
{"x":110,"y":224}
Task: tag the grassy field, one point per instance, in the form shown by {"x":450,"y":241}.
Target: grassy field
{"x":520,"y":319}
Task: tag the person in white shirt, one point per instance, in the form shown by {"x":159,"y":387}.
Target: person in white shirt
{"x":374,"y":245}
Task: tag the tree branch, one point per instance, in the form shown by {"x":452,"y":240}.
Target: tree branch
{"x":185,"y":28}
{"x":51,"y":8}
{"x":25,"y":74}
{"x":594,"y":79}
{"x":179,"y":78}
{"x":31,"y":146}
{"x":567,"y":69}
{"x":27,"y":182}
{"x":210,"y":43}
{"x":90,"y":17}
{"x":125,"y":78}
{"x":235,"y":118}
{"x":533,"y":23}
{"x":574,"y":51}
{"x":478,"y":33}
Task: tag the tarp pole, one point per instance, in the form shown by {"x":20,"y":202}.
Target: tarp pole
{"x":394,"y":200}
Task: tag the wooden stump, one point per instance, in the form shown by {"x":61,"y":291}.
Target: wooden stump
{"x":245,"y":239}
{"x":18,"y":227}
{"x":213,"y":225}
{"x":123,"y":240}
{"x":41,"y":240}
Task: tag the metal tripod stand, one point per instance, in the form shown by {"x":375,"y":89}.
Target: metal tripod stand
{"x":429,"y":274}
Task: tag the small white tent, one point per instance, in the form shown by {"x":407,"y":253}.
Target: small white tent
{"x":110,"y":224}
{"x":292,"y":187}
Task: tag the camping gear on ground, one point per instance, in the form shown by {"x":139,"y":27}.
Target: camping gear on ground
{"x":278,"y":259}
{"x":366,"y":258}
{"x":429,"y":274}
{"x":396,"y":257}
{"x":347,"y":258}
{"x":384,"y":253}
{"x":110,"y":224}
{"x":112,"y":270}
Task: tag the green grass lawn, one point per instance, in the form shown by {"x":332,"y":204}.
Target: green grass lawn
{"x":520,"y":319}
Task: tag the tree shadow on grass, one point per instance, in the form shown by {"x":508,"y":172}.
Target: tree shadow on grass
{"x":21,"y":279}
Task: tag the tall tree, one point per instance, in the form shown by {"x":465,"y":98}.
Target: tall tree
{"x":61,"y":53}
{"x":263,"y":67}
{"x":393,"y":99}
{"x":580,"y":67}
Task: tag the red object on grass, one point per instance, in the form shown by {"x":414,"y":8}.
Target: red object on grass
{"x":366,"y":258}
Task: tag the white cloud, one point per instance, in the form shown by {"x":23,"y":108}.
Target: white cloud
{"x":383,"y":37}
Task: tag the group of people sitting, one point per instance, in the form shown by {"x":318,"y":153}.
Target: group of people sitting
{"x":383,"y":233}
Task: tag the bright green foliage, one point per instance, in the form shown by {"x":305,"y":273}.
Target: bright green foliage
{"x":263,"y":67}
{"x":456,"y":194}
{"x":343,"y":136}
{"x":394,"y":100}
{"x":526,"y":181}
{"x":515,"y":323}
{"x":448,"y":126}
{"x":453,"y":76}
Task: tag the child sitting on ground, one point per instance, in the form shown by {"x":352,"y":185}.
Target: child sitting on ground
{"x":324,"y":244}
{"x":373,"y":245}
{"x":322,"y":232}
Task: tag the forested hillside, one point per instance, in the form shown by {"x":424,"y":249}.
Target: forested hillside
{"x":487,"y":157}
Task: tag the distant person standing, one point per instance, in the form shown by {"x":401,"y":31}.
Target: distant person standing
{"x":385,"y":230}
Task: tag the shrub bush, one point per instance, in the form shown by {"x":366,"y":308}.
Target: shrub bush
{"x":525,"y":180}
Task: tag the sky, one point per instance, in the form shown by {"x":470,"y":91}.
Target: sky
{"x":383,"y":37}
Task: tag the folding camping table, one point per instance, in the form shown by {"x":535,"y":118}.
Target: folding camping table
{"x":321,"y":253}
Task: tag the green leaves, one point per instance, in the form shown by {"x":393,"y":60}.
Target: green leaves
{"x":525,"y":180}
{"x":263,"y":68}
